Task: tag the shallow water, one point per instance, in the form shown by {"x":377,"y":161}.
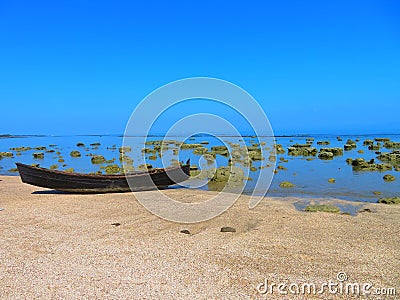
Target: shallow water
{"x":310,"y":177}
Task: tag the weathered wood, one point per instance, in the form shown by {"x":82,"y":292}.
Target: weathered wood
{"x":97,"y":183}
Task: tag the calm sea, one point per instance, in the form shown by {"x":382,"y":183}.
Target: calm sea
{"x":309,"y":176}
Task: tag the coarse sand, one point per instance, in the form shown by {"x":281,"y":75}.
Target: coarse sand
{"x":64,"y":246}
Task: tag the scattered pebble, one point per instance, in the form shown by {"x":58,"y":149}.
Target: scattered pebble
{"x":116,"y":224}
{"x":228,"y":229}
{"x":365,"y":210}
{"x":185,"y":231}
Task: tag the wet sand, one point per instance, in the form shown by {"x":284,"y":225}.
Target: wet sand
{"x":63,"y":246}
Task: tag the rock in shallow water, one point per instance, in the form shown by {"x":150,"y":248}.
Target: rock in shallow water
{"x":38,"y":155}
{"x":389,"y":177}
{"x":75,"y":153}
{"x":6,"y":154}
{"x":286,"y":184}
{"x":392,"y":200}
{"x":325,"y":155}
{"x":322,"y":208}
{"x":98,"y":159}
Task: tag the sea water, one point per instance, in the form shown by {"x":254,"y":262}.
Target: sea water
{"x":309,"y":176}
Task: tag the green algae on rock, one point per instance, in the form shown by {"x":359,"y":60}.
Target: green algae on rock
{"x":359,"y":164}
{"x":145,"y":167}
{"x":325,"y":155}
{"x":125,"y":159}
{"x":229,"y":176}
{"x":255,"y":155}
{"x":347,"y":147}
{"x":149,"y":151}
{"x":392,"y":145}
{"x":389,"y":178}
{"x":13,"y":170}
{"x":286,"y":184}
{"x":391,"y":157}
{"x":20,"y":148}
{"x":335,"y":151}
{"x":112,"y":169}
{"x":331,"y":180}
{"x":98,"y":159}
{"x":185,"y":146}
{"x":38,"y":155}
{"x":128,"y":168}
{"x":69,"y":170}
{"x":280,"y":167}
{"x":6,"y":154}
{"x":279,"y":149}
{"x":53,"y":167}
{"x":350,"y":144}
{"x":75,"y":153}
{"x":80,"y":144}
{"x":221,"y":150}
{"x":374,"y":147}
{"x":368,"y":142}
{"x":125,"y":149}
{"x":200,"y":150}
{"x":380,"y":139}
{"x":390,"y":200}
{"x":302,"y":150}
{"x":253,"y":169}
{"x":323,"y":142}
{"x":322,"y":208}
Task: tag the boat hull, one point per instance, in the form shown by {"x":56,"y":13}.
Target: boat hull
{"x":88,"y":183}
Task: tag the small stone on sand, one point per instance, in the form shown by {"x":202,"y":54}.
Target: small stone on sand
{"x":228,"y":229}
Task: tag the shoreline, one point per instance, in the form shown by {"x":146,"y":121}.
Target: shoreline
{"x":338,"y":196}
{"x":65,"y":246}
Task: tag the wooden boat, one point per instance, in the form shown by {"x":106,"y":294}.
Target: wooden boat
{"x":95,"y":183}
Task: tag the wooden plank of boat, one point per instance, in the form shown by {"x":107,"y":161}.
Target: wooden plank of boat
{"x":98,"y":183}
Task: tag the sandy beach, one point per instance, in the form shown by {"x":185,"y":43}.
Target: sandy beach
{"x":57,"y":246}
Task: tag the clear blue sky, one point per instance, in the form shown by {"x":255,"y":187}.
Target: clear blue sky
{"x":69,"y":67}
